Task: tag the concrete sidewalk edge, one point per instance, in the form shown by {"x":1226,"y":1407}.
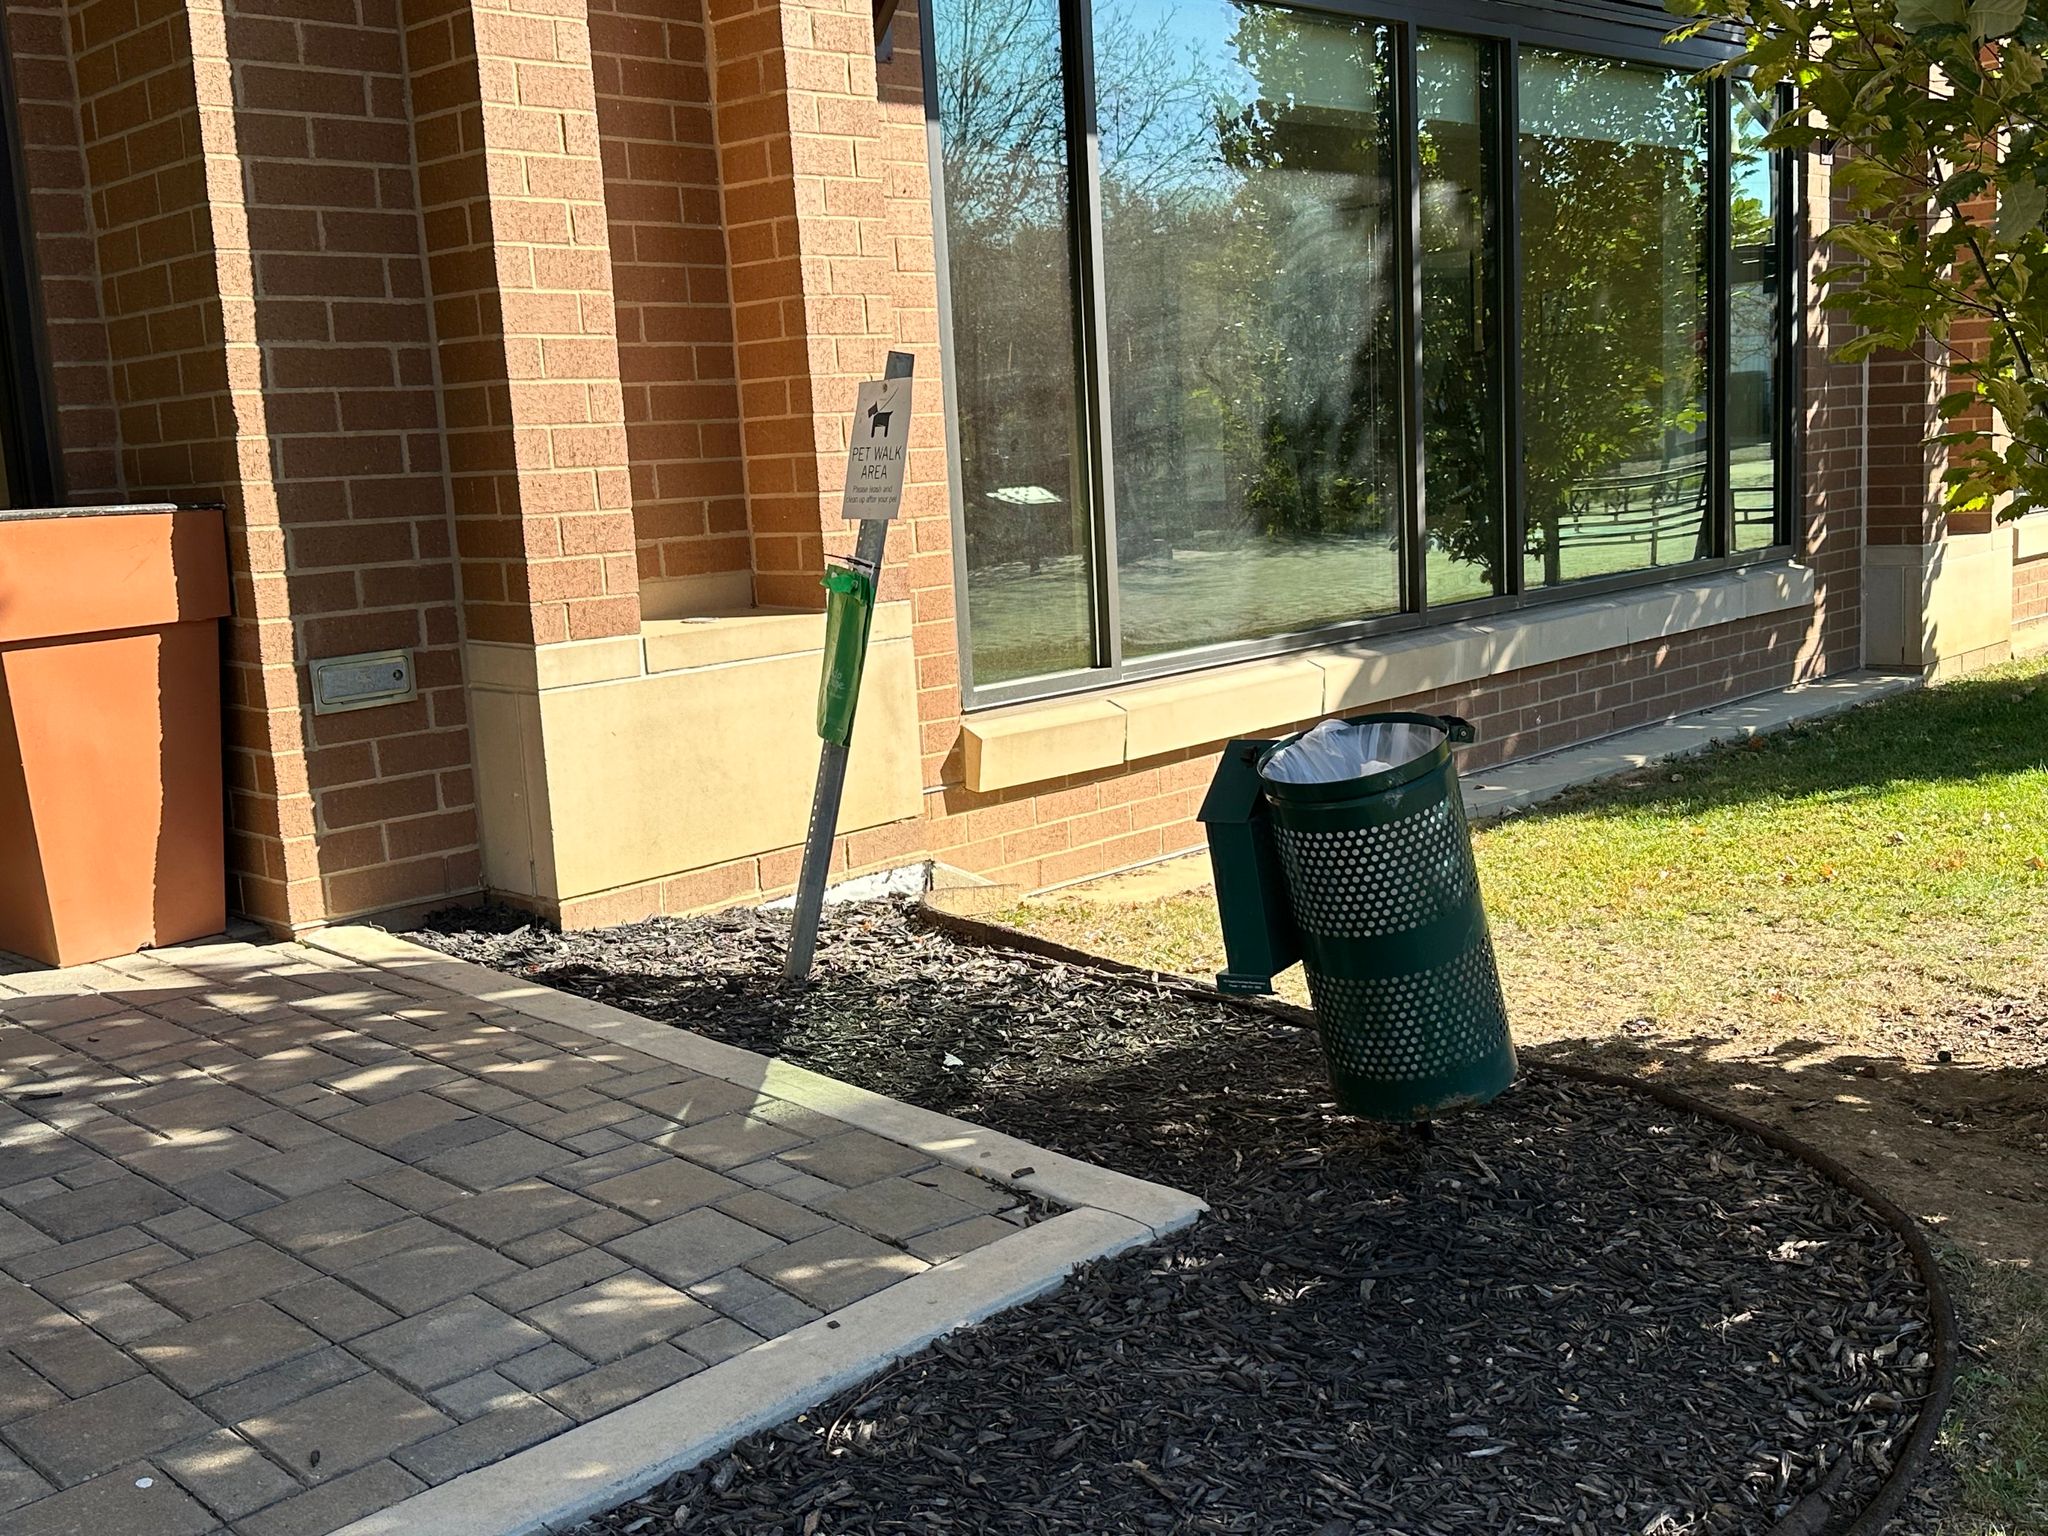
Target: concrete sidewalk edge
{"x":599,"y":1465}
{"x":1491,"y":793}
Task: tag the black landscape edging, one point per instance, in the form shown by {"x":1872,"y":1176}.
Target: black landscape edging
{"x":1912,"y":1460}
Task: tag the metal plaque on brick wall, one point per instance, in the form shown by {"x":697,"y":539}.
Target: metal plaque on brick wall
{"x":361,"y":682}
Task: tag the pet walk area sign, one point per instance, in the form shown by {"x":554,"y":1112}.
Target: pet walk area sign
{"x":879,"y":451}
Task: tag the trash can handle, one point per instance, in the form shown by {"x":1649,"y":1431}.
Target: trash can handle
{"x":1459,"y":730}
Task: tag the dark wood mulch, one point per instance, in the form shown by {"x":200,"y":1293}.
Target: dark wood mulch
{"x":1573,"y":1311}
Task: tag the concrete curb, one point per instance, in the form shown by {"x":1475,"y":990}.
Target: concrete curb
{"x":1492,"y":793}
{"x":607,"y":1461}
{"x":1006,"y":1160}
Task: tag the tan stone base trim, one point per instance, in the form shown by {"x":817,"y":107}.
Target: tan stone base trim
{"x":1041,"y":743}
{"x":671,"y":770}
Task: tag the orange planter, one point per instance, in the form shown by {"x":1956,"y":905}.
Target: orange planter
{"x":110,"y":731}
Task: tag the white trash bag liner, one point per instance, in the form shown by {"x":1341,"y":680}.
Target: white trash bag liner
{"x":1338,"y":750}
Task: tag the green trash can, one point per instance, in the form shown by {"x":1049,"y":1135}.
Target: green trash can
{"x":1381,"y":896}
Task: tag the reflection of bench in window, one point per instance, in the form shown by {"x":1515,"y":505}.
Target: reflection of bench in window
{"x":1756,"y":506}
{"x":1659,"y":509}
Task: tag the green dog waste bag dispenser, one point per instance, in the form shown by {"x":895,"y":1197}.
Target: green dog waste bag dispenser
{"x":1346,"y":847}
{"x":849,"y":610}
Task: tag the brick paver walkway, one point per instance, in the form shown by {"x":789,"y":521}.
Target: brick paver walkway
{"x":287,"y":1239}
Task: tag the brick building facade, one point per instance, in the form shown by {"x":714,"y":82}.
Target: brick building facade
{"x":521,"y":336}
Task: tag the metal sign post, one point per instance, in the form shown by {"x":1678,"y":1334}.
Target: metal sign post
{"x":875,"y":460}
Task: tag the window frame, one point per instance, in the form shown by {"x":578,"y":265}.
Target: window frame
{"x":1606,"y":28}
{"x":29,"y":461}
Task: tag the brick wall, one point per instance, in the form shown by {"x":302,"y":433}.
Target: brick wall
{"x":1905,"y":469}
{"x":160,"y":262}
{"x":154,"y":248}
{"x":353,"y":459}
{"x":1086,"y":824}
{"x":670,"y":289}
{"x":2030,"y":590}
{"x":82,"y":387}
{"x":828,"y":275}
{"x":924,"y":550}
{"x":519,"y":276}
{"x":1829,"y":520}
{"x":799,"y":136}
{"x":257,"y":246}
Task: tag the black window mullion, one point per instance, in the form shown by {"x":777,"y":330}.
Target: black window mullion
{"x":1091,"y":312}
{"x":1408,"y":191}
{"x":1720,"y":193}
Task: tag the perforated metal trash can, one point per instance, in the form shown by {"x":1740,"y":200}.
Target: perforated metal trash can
{"x":1384,"y":896}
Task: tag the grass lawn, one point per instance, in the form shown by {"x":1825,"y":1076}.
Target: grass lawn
{"x":1839,"y":929}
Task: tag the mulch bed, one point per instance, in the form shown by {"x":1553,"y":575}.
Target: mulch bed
{"x":1574,"y":1311}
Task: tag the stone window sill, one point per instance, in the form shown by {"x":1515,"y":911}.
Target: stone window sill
{"x":2030,"y":537}
{"x":668,"y":645}
{"x":1127,"y":723}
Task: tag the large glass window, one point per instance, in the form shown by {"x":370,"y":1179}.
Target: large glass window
{"x":1009,"y":263}
{"x":1756,"y":257}
{"x":1614,"y":317}
{"x":1252,"y":276}
{"x":1269,"y":324}
{"x":1461,"y":343}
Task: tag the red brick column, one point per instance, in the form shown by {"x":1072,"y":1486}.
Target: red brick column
{"x":1828,"y":521}
{"x":512,"y":197}
{"x":799,"y":134}
{"x":336,"y":329}
{"x":924,"y":555}
{"x":674,"y":303}
{"x":258,"y":249}
{"x":1904,"y":504}
{"x":157,"y":246}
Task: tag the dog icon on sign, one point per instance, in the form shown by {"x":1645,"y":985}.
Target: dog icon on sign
{"x":878,"y":421}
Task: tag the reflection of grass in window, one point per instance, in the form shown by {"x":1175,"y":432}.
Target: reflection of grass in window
{"x":1612,"y":178}
{"x":1752,"y":477}
{"x":1023,"y":622}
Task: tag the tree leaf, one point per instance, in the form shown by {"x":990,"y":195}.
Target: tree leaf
{"x":1919,"y":15}
{"x":2021,"y":203}
{"x":2021,"y":66}
{"x":1961,"y":187}
{"x":1996,"y":18}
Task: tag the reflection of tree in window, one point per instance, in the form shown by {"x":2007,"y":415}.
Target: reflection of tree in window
{"x":1253,"y":364}
{"x":1461,"y":417}
{"x":1004,"y":163}
{"x":1613,"y":316}
{"x":1754,"y":276}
